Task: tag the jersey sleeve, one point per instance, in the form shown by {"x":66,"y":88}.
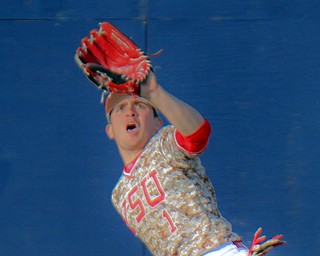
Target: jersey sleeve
{"x":195,"y":143}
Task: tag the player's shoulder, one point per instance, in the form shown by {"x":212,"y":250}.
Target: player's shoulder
{"x":167,"y":130}
{"x":165,"y":134}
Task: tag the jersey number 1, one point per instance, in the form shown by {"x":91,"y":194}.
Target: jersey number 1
{"x":152,"y":202}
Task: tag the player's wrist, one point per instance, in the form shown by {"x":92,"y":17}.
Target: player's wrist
{"x":150,"y":88}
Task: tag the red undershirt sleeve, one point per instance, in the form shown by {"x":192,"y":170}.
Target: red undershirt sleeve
{"x":196,"y":142}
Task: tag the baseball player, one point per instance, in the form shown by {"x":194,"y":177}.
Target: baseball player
{"x":163,"y":194}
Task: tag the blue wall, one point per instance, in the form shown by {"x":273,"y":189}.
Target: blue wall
{"x":251,"y":67}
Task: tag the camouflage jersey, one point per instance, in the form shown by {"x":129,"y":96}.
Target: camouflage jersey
{"x":168,"y":202}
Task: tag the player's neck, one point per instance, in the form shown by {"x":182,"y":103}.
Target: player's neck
{"x":129,"y":156}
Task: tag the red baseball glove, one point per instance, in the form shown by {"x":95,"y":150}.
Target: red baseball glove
{"x":112,"y":61}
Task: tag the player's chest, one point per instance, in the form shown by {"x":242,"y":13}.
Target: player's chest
{"x":139,"y":191}
{"x":139,"y":197}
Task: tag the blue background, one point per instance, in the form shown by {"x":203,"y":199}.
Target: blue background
{"x":251,"y":67}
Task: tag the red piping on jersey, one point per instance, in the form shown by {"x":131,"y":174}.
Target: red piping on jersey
{"x":128,"y":167}
{"x":196,"y":142}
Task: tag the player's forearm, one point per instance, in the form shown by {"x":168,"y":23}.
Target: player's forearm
{"x":185,"y":118}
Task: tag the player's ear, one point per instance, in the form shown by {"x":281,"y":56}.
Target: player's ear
{"x":109,"y":131}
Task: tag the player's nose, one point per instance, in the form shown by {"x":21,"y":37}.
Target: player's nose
{"x":131,"y":110}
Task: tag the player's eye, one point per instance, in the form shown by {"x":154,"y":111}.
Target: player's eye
{"x":119,"y":108}
{"x":141,"y":105}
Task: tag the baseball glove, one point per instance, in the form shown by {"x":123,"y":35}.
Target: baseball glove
{"x":261,"y":248}
{"x":112,"y":61}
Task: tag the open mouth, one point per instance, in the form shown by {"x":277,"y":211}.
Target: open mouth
{"x":131,"y":127}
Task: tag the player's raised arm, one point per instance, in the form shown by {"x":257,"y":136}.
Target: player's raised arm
{"x":181,"y":115}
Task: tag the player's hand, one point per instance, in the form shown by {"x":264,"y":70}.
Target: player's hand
{"x":149,"y":87}
{"x":260,"y":247}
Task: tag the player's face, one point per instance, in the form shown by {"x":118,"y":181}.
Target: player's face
{"x":132,"y":124}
